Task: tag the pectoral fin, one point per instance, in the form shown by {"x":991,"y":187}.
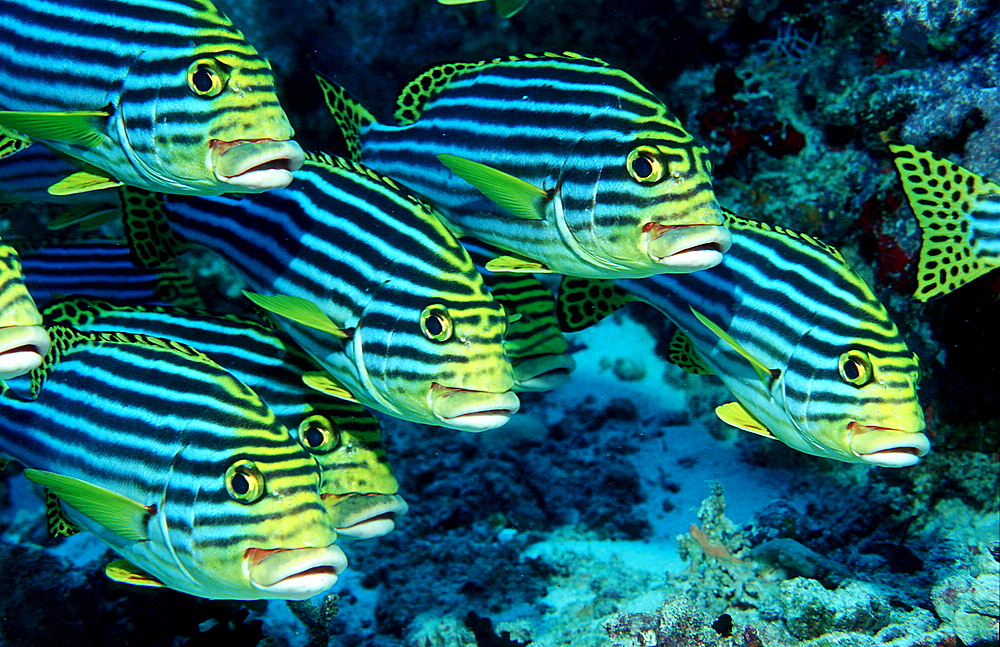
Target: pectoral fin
{"x":516,"y":264}
{"x":324,"y":383}
{"x":766,"y":375}
{"x":125,"y":572}
{"x":84,"y":182}
{"x":519,"y":198}
{"x":82,"y":128}
{"x":735,"y":414}
{"x":297,"y":309}
{"x":119,"y":514}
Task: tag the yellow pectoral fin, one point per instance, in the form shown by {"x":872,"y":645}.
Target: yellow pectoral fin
{"x":83,"y":128}
{"x":85,"y":217}
{"x":516,"y":264}
{"x":297,"y":309}
{"x":119,"y":514}
{"x":766,"y":375}
{"x":519,"y":198}
{"x":125,"y":572}
{"x":84,"y":182}
{"x":324,"y":383}
{"x":735,"y":414}
{"x":508,"y":8}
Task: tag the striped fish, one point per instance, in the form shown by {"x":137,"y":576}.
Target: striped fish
{"x":537,"y":348}
{"x":358,"y":487}
{"x":959,"y":216}
{"x":23,"y":341}
{"x":566,"y":162}
{"x":797,"y":336}
{"x":176,"y":465}
{"x":165,"y":95}
{"x":102,"y":268}
{"x":367,"y":280}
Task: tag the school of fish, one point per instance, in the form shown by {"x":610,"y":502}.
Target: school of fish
{"x":224,"y":453}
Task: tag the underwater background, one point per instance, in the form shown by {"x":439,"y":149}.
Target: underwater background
{"x":617,"y":509}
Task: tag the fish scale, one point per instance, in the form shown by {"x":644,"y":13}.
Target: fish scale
{"x":139,"y":73}
{"x":374,"y":260}
{"x":142,"y":436}
{"x":784,"y":322}
{"x":563,"y":129}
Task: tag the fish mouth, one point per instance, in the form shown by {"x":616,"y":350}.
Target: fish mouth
{"x":22,"y":349}
{"x":470,"y":410}
{"x":363,"y":516}
{"x":885,"y":446}
{"x":256,"y":165}
{"x":295,"y":573}
{"x":543,"y":373}
{"x":686,"y":248}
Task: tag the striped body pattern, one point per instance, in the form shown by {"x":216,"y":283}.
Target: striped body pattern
{"x":358,"y":486}
{"x":959,"y":216}
{"x":612,"y":185}
{"x":23,"y":342}
{"x":176,"y":465}
{"x":811,"y":354}
{"x":101,"y":268}
{"x":421,"y":337}
{"x":165,"y":95}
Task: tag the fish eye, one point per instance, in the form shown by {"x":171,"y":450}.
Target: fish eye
{"x":645,"y":164}
{"x":856,"y":367}
{"x":435,"y":323}
{"x":318,"y":435}
{"x":206,"y":77}
{"x":244,"y":482}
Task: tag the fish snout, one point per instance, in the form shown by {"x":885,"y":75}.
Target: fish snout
{"x":886,"y":446}
{"x":22,"y":349}
{"x":686,"y":248}
{"x":295,"y":573}
{"x":470,"y":410}
{"x":254,"y":166}
{"x":363,"y":516}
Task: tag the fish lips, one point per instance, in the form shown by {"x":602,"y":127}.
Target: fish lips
{"x":542,"y":373}
{"x":254,"y":166}
{"x":686,"y":248}
{"x":22,"y":349}
{"x":885,"y":446}
{"x":470,"y":410}
{"x":363,"y":516}
{"x":295,"y":573}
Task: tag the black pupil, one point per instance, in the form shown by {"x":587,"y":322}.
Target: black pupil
{"x":642,"y":167}
{"x":852,"y":370}
{"x":202,"y":79}
{"x":241,"y":485}
{"x":434,"y":325}
{"x":314,"y":436}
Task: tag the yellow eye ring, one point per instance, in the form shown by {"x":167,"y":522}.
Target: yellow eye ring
{"x":645,"y":165}
{"x":207,"y":78}
{"x":317,"y":435}
{"x":856,"y":367}
{"x":436,"y":324}
{"x":244,"y":482}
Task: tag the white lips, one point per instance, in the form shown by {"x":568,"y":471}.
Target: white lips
{"x":472,"y":410}
{"x":298,"y":573}
{"x":690,"y":248}
{"x":21,"y":349}
{"x":256,"y":166}
{"x":888,"y":447}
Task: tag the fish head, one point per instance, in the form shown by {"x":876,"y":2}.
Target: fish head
{"x":857,"y":402}
{"x":206,"y":125}
{"x":644,"y":203}
{"x":359,"y":488}
{"x":436,"y":354}
{"x":256,"y":527}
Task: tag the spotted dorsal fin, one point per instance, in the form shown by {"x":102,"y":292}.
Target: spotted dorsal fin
{"x":350,"y":116}
{"x":583,"y":302}
{"x":150,"y":238}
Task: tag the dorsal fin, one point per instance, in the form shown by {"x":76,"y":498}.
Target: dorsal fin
{"x":350,"y":116}
{"x":149,"y":235}
{"x":583,"y":302}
